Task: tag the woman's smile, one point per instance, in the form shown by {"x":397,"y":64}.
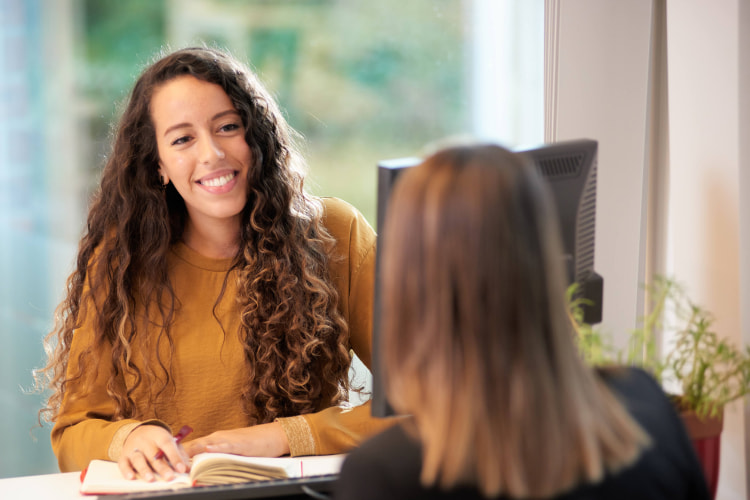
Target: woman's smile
{"x":218,"y":181}
{"x":202,"y":150}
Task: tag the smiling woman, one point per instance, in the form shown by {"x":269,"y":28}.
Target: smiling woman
{"x":229,"y":301}
{"x":203,"y":154}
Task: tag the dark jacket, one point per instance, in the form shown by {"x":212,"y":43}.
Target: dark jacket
{"x":388,"y":465}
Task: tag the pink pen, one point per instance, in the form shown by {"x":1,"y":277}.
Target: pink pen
{"x":182,"y":434}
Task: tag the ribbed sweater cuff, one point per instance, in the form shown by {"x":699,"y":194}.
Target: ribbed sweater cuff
{"x":118,"y":440}
{"x":299,"y":435}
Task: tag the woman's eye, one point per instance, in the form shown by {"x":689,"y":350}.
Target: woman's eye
{"x":230,"y":127}
{"x":180,"y":140}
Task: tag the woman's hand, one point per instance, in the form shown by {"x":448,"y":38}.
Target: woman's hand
{"x":139,"y":454}
{"x":264,"y":440}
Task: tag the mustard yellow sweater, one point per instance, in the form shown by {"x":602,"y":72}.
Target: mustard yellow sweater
{"x":208,"y":365}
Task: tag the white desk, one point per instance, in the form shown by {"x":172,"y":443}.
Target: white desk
{"x":63,"y":486}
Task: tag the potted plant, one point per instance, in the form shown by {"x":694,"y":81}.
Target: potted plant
{"x":700,"y":371}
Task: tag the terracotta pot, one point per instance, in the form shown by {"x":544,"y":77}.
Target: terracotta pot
{"x":706,"y":437}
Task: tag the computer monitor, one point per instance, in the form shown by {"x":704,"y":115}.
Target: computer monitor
{"x":570,"y":170}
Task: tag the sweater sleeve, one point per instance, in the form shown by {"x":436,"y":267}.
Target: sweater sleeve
{"x":85,"y":428}
{"x":337,"y":429}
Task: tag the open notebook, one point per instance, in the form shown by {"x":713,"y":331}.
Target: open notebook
{"x":103,"y":477}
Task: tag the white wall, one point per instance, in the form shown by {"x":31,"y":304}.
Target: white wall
{"x":600,"y":63}
{"x":704,"y":115}
{"x":744,"y":179}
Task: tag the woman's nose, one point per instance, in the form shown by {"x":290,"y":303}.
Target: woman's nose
{"x":210,"y":151}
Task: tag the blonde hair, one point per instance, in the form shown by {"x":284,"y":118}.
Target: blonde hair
{"x":477,"y":339}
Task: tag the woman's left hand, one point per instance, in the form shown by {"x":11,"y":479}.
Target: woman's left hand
{"x":264,"y":440}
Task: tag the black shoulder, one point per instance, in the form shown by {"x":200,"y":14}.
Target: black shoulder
{"x":630,"y":380}
{"x":385,"y":466}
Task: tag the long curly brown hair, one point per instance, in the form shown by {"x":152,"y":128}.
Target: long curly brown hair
{"x":295,"y":338}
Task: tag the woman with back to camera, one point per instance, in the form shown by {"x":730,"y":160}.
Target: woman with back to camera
{"x":210,"y":290}
{"x":478,"y":348}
